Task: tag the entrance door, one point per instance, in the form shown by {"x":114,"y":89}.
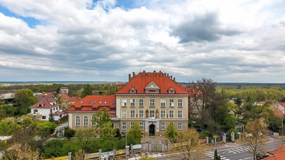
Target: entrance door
{"x":151,"y":130}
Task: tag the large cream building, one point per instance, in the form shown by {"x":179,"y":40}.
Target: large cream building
{"x":153,"y":99}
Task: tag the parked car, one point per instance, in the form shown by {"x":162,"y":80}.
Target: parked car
{"x":261,"y":155}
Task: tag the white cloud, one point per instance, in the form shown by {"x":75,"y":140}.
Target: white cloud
{"x":223,"y":40}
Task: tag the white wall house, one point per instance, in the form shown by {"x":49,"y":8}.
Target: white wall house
{"x":46,"y":108}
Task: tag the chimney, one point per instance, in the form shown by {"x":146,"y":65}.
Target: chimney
{"x":171,"y":77}
{"x":130,"y":77}
{"x":154,"y":71}
{"x":174,"y":79}
{"x":134,"y":74}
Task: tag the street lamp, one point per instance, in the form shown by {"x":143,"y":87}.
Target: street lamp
{"x":127,"y":146}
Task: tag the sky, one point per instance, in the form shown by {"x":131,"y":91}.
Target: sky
{"x":105,"y":40}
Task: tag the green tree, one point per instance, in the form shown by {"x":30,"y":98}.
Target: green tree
{"x":44,"y":128}
{"x":24,"y":99}
{"x":8,"y":126}
{"x":2,"y":111}
{"x":69,"y":133}
{"x":171,"y":133}
{"x":87,"y":90}
{"x":135,"y":134}
{"x":100,"y":118}
{"x":85,"y":134}
{"x":107,"y":131}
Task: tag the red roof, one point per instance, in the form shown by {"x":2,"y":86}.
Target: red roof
{"x":74,"y":99}
{"x":140,"y":81}
{"x":282,"y":104}
{"x":45,"y":103}
{"x":93,"y":103}
{"x":277,"y":154}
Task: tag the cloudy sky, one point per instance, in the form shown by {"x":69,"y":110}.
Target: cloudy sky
{"x":227,"y":41}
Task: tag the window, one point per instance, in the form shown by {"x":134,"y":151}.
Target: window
{"x":133,"y":102}
{"x":151,"y":114}
{"x":124,"y":103}
{"x":180,"y":103}
{"x":162,"y":114}
{"x":132,"y":125}
{"x":171,"y":102}
{"x":171,"y":114}
{"x":140,"y":102}
{"x":93,"y":123}
{"x":35,"y":111}
{"x":179,"y":126}
{"x":77,"y":121}
{"x":44,"y":117}
{"x":163,"y":125}
{"x":85,"y":121}
{"x":179,"y":114}
{"x":133,"y":113}
{"x":124,"y":125}
{"x":124,"y":114}
{"x":151,"y":102}
{"x":162,"y":103}
{"x":141,"y":113}
{"x":141,"y":125}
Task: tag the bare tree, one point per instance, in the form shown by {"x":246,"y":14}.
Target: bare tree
{"x":255,"y":136}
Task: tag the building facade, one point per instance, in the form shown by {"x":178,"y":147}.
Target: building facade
{"x":154,"y":100}
{"x":82,"y":112}
{"x":47,"y":109}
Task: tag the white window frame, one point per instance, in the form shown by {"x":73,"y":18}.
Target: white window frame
{"x":141,"y":112}
{"x":141,"y":125}
{"x":151,"y":104}
{"x":140,"y":102}
{"x":124,"y":103}
{"x":151,"y":114}
{"x":133,"y":102}
{"x":171,"y":102}
{"x":124,"y":113}
{"x":124,"y":126}
{"x":162,"y":103}
{"x":171,"y":114}
{"x":180,"y":114}
{"x":77,"y":120}
{"x":180,"y":102}
{"x":162,"y":114}
{"x":162,"y":126}
{"x":85,"y":121}
{"x":132,"y":125}
{"x":179,"y":125}
{"x":133,"y":113}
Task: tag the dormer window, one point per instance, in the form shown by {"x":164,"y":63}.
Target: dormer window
{"x":133,"y":90}
{"x":81,"y":102}
{"x":105,"y":102}
{"x":94,"y":102}
{"x":89,"y":102}
{"x":171,"y":90}
{"x":152,"y":88}
{"x":100,"y":102}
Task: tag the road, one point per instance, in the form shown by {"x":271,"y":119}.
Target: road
{"x":228,"y":151}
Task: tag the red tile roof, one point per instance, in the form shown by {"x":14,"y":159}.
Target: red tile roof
{"x":45,"y":103}
{"x":282,"y":104}
{"x":277,"y":154}
{"x":140,"y":81}
{"x":93,"y":103}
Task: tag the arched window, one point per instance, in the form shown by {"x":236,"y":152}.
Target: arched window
{"x":85,"y":121}
{"x":77,"y":121}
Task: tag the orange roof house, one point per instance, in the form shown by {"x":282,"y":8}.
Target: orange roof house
{"x":159,"y":80}
{"x":277,"y":154}
{"x":93,"y":103}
